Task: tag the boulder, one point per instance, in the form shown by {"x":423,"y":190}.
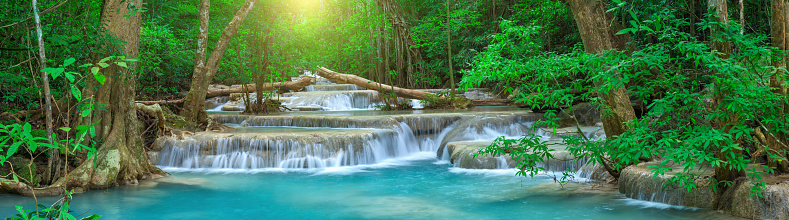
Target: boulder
{"x":20,"y":167}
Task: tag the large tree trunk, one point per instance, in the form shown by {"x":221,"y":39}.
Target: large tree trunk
{"x":778,"y":27}
{"x":721,"y":8}
{"x":121,"y":158}
{"x":205,"y":70}
{"x":596,"y":34}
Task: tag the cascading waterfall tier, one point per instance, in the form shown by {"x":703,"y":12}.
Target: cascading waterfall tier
{"x":335,"y":100}
{"x":638,"y":182}
{"x":313,"y":141}
{"x":333,"y":87}
{"x":252,"y":148}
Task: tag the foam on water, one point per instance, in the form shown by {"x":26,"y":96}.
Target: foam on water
{"x":657,"y":205}
{"x":484,"y":172}
{"x":218,"y":108}
{"x":336,"y":100}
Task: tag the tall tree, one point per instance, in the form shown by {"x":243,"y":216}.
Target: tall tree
{"x":121,"y":158}
{"x":449,"y":53}
{"x":594,"y":25}
{"x":722,"y":46}
{"x":778,"y":27}
{"x":51,"y":173}
{"x":597,"y":36}
{"x":205,"y":70}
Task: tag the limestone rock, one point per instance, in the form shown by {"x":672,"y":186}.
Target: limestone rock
{"x":20,"y":167}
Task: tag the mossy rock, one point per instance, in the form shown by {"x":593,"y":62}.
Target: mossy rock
{"x":461,"y":102}
{"x":443,"y":102}
{"x":237,"y":96}
{"x":179,"y":122}
{"x":23,"y":172}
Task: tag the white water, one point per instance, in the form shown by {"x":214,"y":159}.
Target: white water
{"x":335,"y":100}
{"x":218,"y":108}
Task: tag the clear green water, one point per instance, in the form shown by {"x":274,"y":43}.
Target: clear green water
{"x":408,"y":188}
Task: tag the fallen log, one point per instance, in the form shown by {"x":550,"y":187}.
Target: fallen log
{"x":400,"y":92}
{"x":368,"y":84}
{"x":290,"y":85}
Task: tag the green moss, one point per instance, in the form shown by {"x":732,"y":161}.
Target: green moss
{"x":24,"y":173}
{"x":178,"y":122}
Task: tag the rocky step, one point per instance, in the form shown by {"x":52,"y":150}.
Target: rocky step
{"x":335,"y":100}
{"x":639,"y":182}
{"x":418,"y":124}
{"x":462,"y":155}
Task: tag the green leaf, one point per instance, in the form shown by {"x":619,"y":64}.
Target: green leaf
{"x":70,"y":77}
{"x":66,"y":129}
{"x":55,"y":72}
{"x":82,"y":128}
{"x":95,"y":70}
{"x":103,"y":65}
{"x":122,"y":64}
{"x":86,"y":112}
{"x":69,"y":61}
{"x":77,"y":94}
{"x":106,"y":59}
{"x":100,"y":78}
{"x":92,"y":217}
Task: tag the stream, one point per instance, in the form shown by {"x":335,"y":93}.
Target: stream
{"x":347,"y":161}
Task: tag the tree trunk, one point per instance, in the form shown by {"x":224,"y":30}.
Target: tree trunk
{"x":778,"y":28}
{"x":54,"y":154}
{"x":596,"y":34}
{"x":449,"y":54}
{"x":121,"y":158}
{"x":205,"y":70}
{"x":260,"y":80}
{"x":400,"y":92}
{"x":405,"y":47}
{"x":723,"y":48}
{"x":742,"y":18}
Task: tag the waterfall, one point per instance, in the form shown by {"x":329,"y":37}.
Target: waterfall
{"x":332,"y":87}
{"x":307,"y":149}
{"x":335,"y":100}
{"x":502,"y":163}
{"x":637,"y":182}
